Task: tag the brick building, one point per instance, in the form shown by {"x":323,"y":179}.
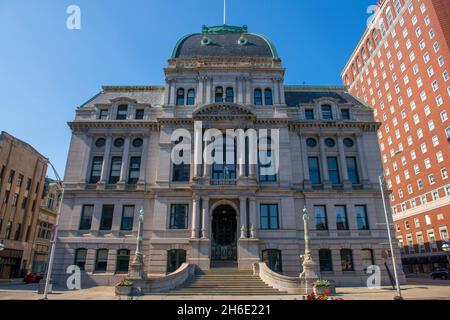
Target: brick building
{"x":22,"y":178}
{"x":401,"y":68}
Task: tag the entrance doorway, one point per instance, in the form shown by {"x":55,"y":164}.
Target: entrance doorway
{"x":224,"y":234}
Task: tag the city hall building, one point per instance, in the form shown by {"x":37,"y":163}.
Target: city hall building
{"x":222,"y":215}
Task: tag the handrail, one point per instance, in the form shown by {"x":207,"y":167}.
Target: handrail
{"x":276,"y":280}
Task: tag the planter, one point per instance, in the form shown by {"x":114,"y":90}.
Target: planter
{"x":123,"y":290}
{"x":318,"y":291}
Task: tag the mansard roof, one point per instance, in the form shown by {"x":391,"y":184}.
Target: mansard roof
{"x":224,"y":41}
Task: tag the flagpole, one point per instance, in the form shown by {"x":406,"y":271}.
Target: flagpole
{"x":224,"y":12}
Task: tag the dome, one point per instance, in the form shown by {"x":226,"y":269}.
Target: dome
{"x":224,"y":41}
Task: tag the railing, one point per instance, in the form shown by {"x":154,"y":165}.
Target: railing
{"x":223,"y":182}
{"x":276,"y":280}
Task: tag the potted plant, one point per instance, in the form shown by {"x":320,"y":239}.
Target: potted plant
{"x":124,"y":288}
{"x":321,"y":287}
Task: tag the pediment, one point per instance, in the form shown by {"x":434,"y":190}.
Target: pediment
{"x":223,"y":110}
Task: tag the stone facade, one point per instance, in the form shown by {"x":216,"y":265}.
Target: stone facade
{"x":106,"y":184}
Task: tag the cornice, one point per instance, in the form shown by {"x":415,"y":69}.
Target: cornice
{"x":367,"y":126}
{"x":85,"y":125}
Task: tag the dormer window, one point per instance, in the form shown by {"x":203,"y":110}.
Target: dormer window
{"x":229,"y":95}
{"x":139,"y":115}
{"x":326,"y":112}
{"x":103,"y":115}
{"x":122,"y":112}
{"x":180,"y":97}
{"x":309,"y":114}
{"x":219,"y":95}
{"x":258,"y":97}
{"x":268,"y":98}
{"x":190,"y":101}
{"x":345,"y":114}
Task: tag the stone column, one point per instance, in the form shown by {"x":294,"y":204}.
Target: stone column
{"x":195,"y":217}
{"x":240,"y":91}
{"x":241,"y":159}
{"x":343,"y":162}
{"x":248,"y":91}
{"x":87,"y":154}
{"x":243,"y":217}
{"x":201,"y":86}
{"x":276,"y":91}
{"x":198,"y":154}
{"x":208,"y":81}
{"x":172,"y":92}
{"x":205,"y":218}
{"x":253,"y":219}
{"x":106,"y":161}
{"x":144,"y":160}
{"x":125,"y":161}
{"x":323,"y":157}
{"x":167,"y":92}
{"x":282,"y":97}
{"x":361,"y":160}
{"x":304,"y":151}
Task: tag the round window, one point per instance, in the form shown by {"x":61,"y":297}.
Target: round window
{"x":100,"y":143}
{"x":310,"y":142}
{"x":330,"y":143}
{"x":118,"y":143}
{"x":348,"y":142}
{"x":138,"y":142}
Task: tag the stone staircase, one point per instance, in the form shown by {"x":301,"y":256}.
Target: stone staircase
{"x":225,"y":281}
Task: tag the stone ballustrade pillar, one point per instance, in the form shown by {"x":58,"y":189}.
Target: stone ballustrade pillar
{"x":125,"y":162}
{"x":195,"y":217}
{"x":323,"y":157}
{"x":253,"y":219}
{"x":106,"y":161}
{"x":343,"y":162}
{"x":243,"y":217}
{"x":205,"y":217}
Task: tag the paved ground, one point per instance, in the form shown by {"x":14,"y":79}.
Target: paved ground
{"x":417,"y":289}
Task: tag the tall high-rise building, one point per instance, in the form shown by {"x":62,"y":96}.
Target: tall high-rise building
{"x":401,"y":68}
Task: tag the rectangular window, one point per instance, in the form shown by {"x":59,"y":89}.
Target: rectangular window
{"x":116,"y":165}
{"x":352,"y":170}
{"x":333,"y":170}
{"x":135,"y":169}
{"x":127,"y":218}
{"x":362,"y":221}
{"x":321,"y":217}
{"x":96,"y":170}
{"x":86,"y":217}
{"x":28,"y":184}
{"x":341,"y":218}
{"x":269,"y":216}
{"x":107,"y":217}
{"x":309,"y":114}
{"x":101,"y":260}
{"x":139,"y":115}
{"x":103,"y":115}
{"x":11,"y":176}
{"x":345,"y":114}
{"x":326,"y":113}
{"x":18,"y":231}
{"x":314,"y":170}
{"x":179,"y":216}
{"x":122,"y":112}
{"x":181,"y":172}
{"x":19,"y":180}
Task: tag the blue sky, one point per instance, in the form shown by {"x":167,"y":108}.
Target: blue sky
{"x":47,"y":70}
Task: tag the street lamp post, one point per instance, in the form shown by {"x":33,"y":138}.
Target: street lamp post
{"x":388,"y":228}
{"x":55,"y":233}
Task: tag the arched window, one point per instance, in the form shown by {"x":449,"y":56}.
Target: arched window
{"x":273,"y":259}
{"x":219,"y":95}
{"x":190,"y":97}
{"x":367,"y":258}
{"x":122,"y":261}
{"x":325,"y":260}
{"x":80,"y":258}
{"x":175,"y":258}
{"x":101,"y":260}
{"x":268,"y":99}
{"x":180,"y":97}
{"x":258,"y":97}
{"x":229,"y":95}
{"x":347,"y":260}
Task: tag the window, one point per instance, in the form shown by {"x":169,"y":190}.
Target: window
{"x":101,"y":260}
{"x":116,"y":165}
{"x":273,"y":259}
{"x":119,"y":142}
{"x":28,"y":186}
{"x":80,"y":258}
{"x":348,"y":142}
{"x":309,"y":114}
{"x":180,"y":97}
{"x":325,"y":260}
{"x":179,"y":216}
{"x":96,"y":170}
{"x":367,"y":258}
{"x":122,"y":261}
{"x":362,"y":221}
{"x":269,"y":216}
{"x":11,"y":176}
{"x":181,"y":172}
{"x":265,"y":162}
{"x":139,"y":114}
{"x":321,"y":217}
{"x":190,"y":101}
{"x":86,"y":217}
{"x":127,"y":218}
{"x":103,"y":115}
{"x":258,"y":97}
{"x":333,"y":170}
{"x":341,"y":217}
{"x":135,"y":169}
{"x":311,"y":142}
{"x":107,"y":217}
{"x":122,"y":112}
{"x":229,"y":93}
{"x":268,"y":99}
{"x":175,"y":258}
{"x":219,"y":95}
{"x":352,"y":169}
{"x":347,"y":260}
{"x":345,"y":113}
{"x":314,"y":170}
{"x":427,"y":220}
{"x":100,"y":142}
{"x":326,"y":112}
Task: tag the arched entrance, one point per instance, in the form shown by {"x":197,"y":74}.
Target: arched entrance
{"x":224,"y":234}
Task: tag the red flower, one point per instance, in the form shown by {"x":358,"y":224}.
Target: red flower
{"x":328,"y":292}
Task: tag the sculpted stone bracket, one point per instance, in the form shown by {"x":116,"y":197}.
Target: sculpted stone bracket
{"x":224,"y":110}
